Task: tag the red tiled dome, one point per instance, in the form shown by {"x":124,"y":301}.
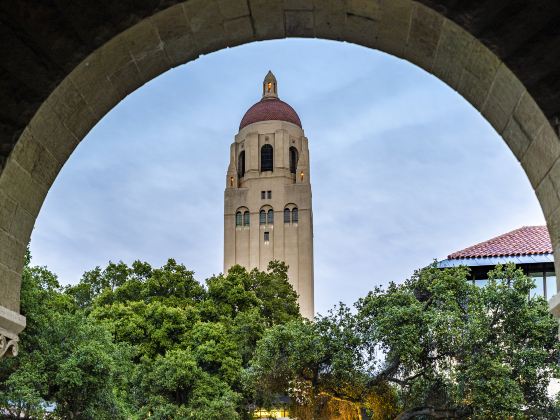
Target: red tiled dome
{"x":270,"y":109}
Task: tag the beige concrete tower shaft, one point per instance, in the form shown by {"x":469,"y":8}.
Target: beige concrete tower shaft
{"x":267,"y":201}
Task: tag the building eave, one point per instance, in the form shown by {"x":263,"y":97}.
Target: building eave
{"x":492,"y":261}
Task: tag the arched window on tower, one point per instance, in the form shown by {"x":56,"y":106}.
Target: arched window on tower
{"x":270,"y":217}
{"x":241,"y":164}
{"x":287,"y":215}
{"x":295,"y":215}
{"x":246,"y":218}
{"x":267,"y":158}
{"x":293,"y":159}
{"x":262,"y":217}
{"x":238,"y":219}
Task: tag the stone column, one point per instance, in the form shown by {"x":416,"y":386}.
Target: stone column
{"x":11,"y":324}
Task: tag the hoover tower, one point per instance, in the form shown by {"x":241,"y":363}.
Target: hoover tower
{"x":267,"y":200}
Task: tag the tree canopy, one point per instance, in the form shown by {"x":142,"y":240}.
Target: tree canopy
{"x":435,"y":346}
{"x":137,"y":341}
{"x":134,"y":341}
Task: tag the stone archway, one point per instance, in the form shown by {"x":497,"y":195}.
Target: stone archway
{"x":61,"y":109}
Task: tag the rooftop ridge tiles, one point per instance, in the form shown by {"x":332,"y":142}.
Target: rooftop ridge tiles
{"x":526,"y":240}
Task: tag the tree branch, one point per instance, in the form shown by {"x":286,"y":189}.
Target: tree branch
{"x":385,"y":373}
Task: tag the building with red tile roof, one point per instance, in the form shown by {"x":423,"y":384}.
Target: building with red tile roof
{"x":529,"y":247}
{"x":527,"y":240}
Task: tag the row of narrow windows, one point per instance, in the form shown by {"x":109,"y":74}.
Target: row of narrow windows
{"x":266,"y":217}
{"x":242,"y":219}
{"x":267,"y":160}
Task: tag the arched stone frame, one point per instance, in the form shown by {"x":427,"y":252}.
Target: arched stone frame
{"x":290,"y":208}
{"x":180,"y":33}
{"x":244,"y":214}
{"x":266,"y":210}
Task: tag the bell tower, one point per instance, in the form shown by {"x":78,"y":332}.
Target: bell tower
{"x":267,"y":201}
{"x":270,"y":88}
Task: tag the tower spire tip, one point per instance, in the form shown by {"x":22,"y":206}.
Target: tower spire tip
{"x":270,"y":86}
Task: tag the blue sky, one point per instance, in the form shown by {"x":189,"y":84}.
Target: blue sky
{"x":403,"y":169}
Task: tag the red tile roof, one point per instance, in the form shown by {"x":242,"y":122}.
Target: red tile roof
{"x":528,"y":240}
{"x":270,"y":109}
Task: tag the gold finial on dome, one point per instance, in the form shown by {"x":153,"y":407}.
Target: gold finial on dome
{"x":270,"y":87}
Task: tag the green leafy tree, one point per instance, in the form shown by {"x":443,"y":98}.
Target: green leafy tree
{"x":137,"y":342}
{"x":322,"y":367}
{"x":435,"y":346}
{"x":240,"y":290}
{"x":176,"y":386}
{"x":67,"y":363}
{"x":460,"y":350}
{"x":210,"y":333}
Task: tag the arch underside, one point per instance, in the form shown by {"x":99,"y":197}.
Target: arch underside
{"x":59,"y":80}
